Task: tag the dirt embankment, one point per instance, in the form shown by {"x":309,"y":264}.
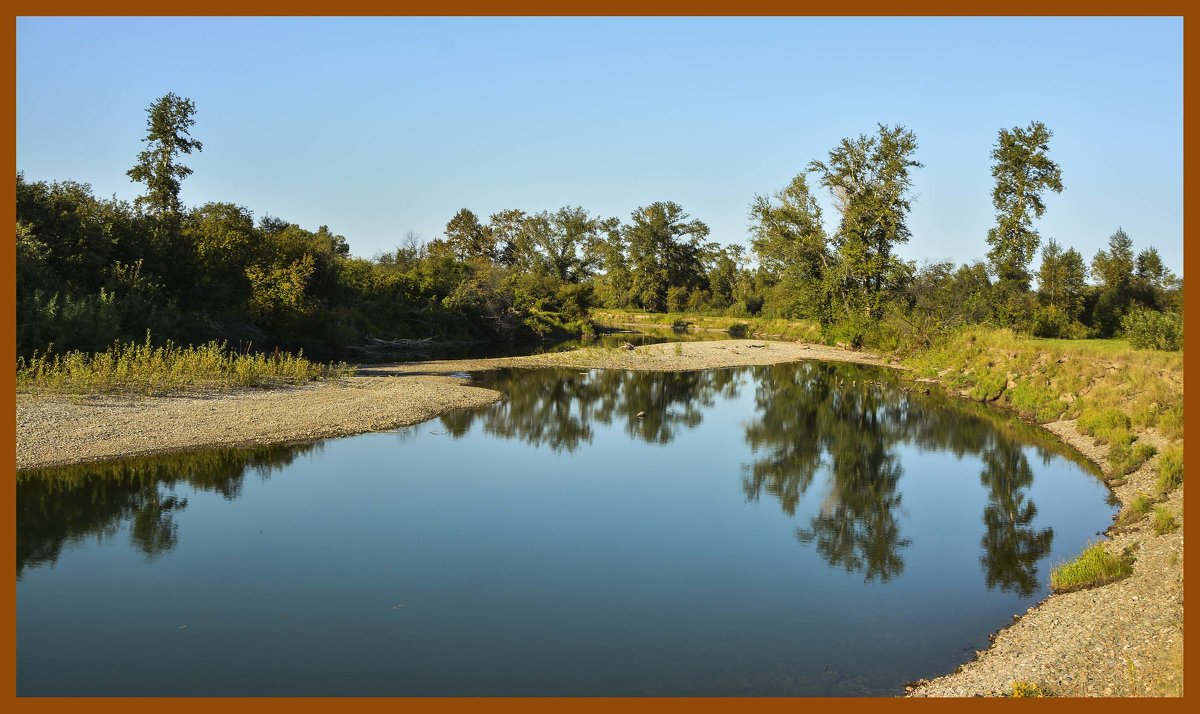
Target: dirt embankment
{"x":60,"y":430}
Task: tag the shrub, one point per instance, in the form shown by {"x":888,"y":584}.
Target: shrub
{"x":1094,"y":566}
{"x":1153,"y":330}
{"x":1051,"y":321}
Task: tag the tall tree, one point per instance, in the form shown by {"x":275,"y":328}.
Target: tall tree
{"x":792,"y":248}
{"x":869,"y":179}
{"x":664,"y":251}
{"x":1152,"y":280}
{"x":1114,"y":270}
{"x":1023,"y":172}
{"x":168,"y":135}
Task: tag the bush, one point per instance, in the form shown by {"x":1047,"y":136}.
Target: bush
{"x":1153,"y":330}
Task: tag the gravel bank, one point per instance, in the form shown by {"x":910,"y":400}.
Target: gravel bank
{"x":59,"y":430}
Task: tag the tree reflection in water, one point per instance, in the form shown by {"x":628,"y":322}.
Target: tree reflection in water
{"x":70,"y":504}
{"x":845,"y":421}
{"x":847,"y":418}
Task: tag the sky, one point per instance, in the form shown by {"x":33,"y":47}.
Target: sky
{"x":377,"y":127}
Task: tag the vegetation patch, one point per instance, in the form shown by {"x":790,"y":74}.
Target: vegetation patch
{"x":1027,"y":689}
{"x":1170,"y":470}
{"x":1136,"y":510}
{"x":1164,"y":521}
{"x":1094,"y":566}
{"x":142,"y":368}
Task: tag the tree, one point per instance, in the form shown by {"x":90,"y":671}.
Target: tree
{"x":1152,"y":281}
{"x":1023,"y":172}
{"x":167,"y":136}
{"x":664,"y":252}
{"x":792,"y":249}
{"x":1114,"y":269}
{"x":469,"y":239}
{"x":1062,"y":280}
{"x":870,"y":182}
{"x":505,"y":227}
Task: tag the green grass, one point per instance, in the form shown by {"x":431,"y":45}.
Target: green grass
{"x":1170,"y":470}
{"x":1136,"y":510}
{"x":1164,"y":521}
{"x":1094,"y":566}
{"x":1111,"y":388}
{"x":140,"y":368}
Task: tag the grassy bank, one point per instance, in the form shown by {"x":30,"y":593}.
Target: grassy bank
{"x":141,"y":368}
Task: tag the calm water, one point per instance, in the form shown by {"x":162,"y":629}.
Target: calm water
{"x":796,"y":530}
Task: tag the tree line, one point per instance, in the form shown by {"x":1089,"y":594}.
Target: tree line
{"x":93,"y":270}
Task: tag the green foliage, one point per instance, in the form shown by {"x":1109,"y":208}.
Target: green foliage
{"x":1103,"y":422}
{"x":143,"y":368}
{"x":1136,"y":510}
{"x":1151,"y":330}
{"x":1094,"y":566}
{"x":663,"y":251}
{"x":167,"y":135}
{"x":1023,"y":172}
{"x":1170,"y":470}
{"x":869,"y":178}
{"x":1113,"y":268}
{"x":1164,"y":521}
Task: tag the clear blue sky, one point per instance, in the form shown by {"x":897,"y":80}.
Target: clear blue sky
{"x":380,"y":126}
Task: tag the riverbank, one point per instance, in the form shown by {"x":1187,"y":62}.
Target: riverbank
{"x":57,"y":430}
{"x":1124,"y":638}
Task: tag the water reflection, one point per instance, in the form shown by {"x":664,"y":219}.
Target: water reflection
{"x":557,"y":408}
{"x":843,"y":423}
{"x":847,"y":420}
{"x":59,"y":506}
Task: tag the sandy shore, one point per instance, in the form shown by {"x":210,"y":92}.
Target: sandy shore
{"x":1121,"y":639}
{"x":60,"y":430}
